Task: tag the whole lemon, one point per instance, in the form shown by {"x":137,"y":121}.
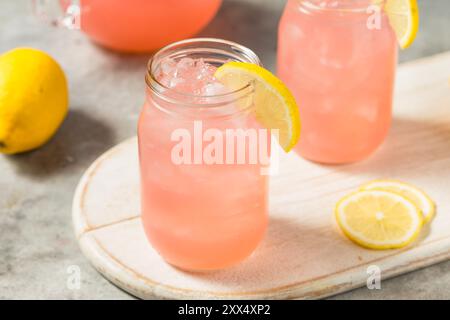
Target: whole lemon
{"x":33,"y":99}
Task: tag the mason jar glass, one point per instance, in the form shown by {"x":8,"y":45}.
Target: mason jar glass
{"x":200,"y":211}
{"x":339,"y":59}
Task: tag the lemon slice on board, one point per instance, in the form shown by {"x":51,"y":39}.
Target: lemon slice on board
{"x":404,"y":18}
{"x":417,"y":196}
{"x":275,"y":105}
{"x":379,"y":219}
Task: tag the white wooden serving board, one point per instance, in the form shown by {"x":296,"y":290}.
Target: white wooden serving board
{"x":304,"y":254}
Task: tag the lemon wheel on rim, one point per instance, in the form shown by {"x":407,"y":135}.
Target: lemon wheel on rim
{"x":275,"y":106}
{"x":403,"y":17}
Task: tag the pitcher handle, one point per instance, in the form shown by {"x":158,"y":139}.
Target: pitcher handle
{"x":61,"y":13}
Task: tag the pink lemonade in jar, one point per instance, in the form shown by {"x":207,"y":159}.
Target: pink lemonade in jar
{"x":198,"y":215}
{"x":342,"y":74}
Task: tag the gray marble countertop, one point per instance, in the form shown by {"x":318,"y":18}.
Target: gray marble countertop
{"x":37,"y":243}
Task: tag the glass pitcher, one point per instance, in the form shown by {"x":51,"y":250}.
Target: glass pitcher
{"x":342,"y":73}
{"x":132,"y":25}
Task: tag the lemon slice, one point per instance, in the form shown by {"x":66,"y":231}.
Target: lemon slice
{"x":417,"y":196}
{"x":275,"y":106}
{"x":404,"y":19}
{"x":379,"y":219}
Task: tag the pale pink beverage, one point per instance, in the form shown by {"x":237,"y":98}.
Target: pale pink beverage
{"x":199,"y":215}
{"x":144,"y":25}
{"x":131,"y":25}
{"x":341,"y":72}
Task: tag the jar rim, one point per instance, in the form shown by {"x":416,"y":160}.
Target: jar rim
{"x":236,"y":51}
{"x":352,"y":6}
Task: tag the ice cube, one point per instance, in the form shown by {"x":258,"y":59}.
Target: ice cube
{"x":213,"y":89}
{"x":168,"y":66}
{"x":205,"y":71}
{"x":194,"y":76}
{"x":185,"y":63}
{"x":174,"y":82}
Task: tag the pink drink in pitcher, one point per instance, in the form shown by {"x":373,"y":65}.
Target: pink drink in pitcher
{"x":342,"y":74}
{"x":131,"y":25}
{"x":198,"y":216}
{"x":143,"y":25}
